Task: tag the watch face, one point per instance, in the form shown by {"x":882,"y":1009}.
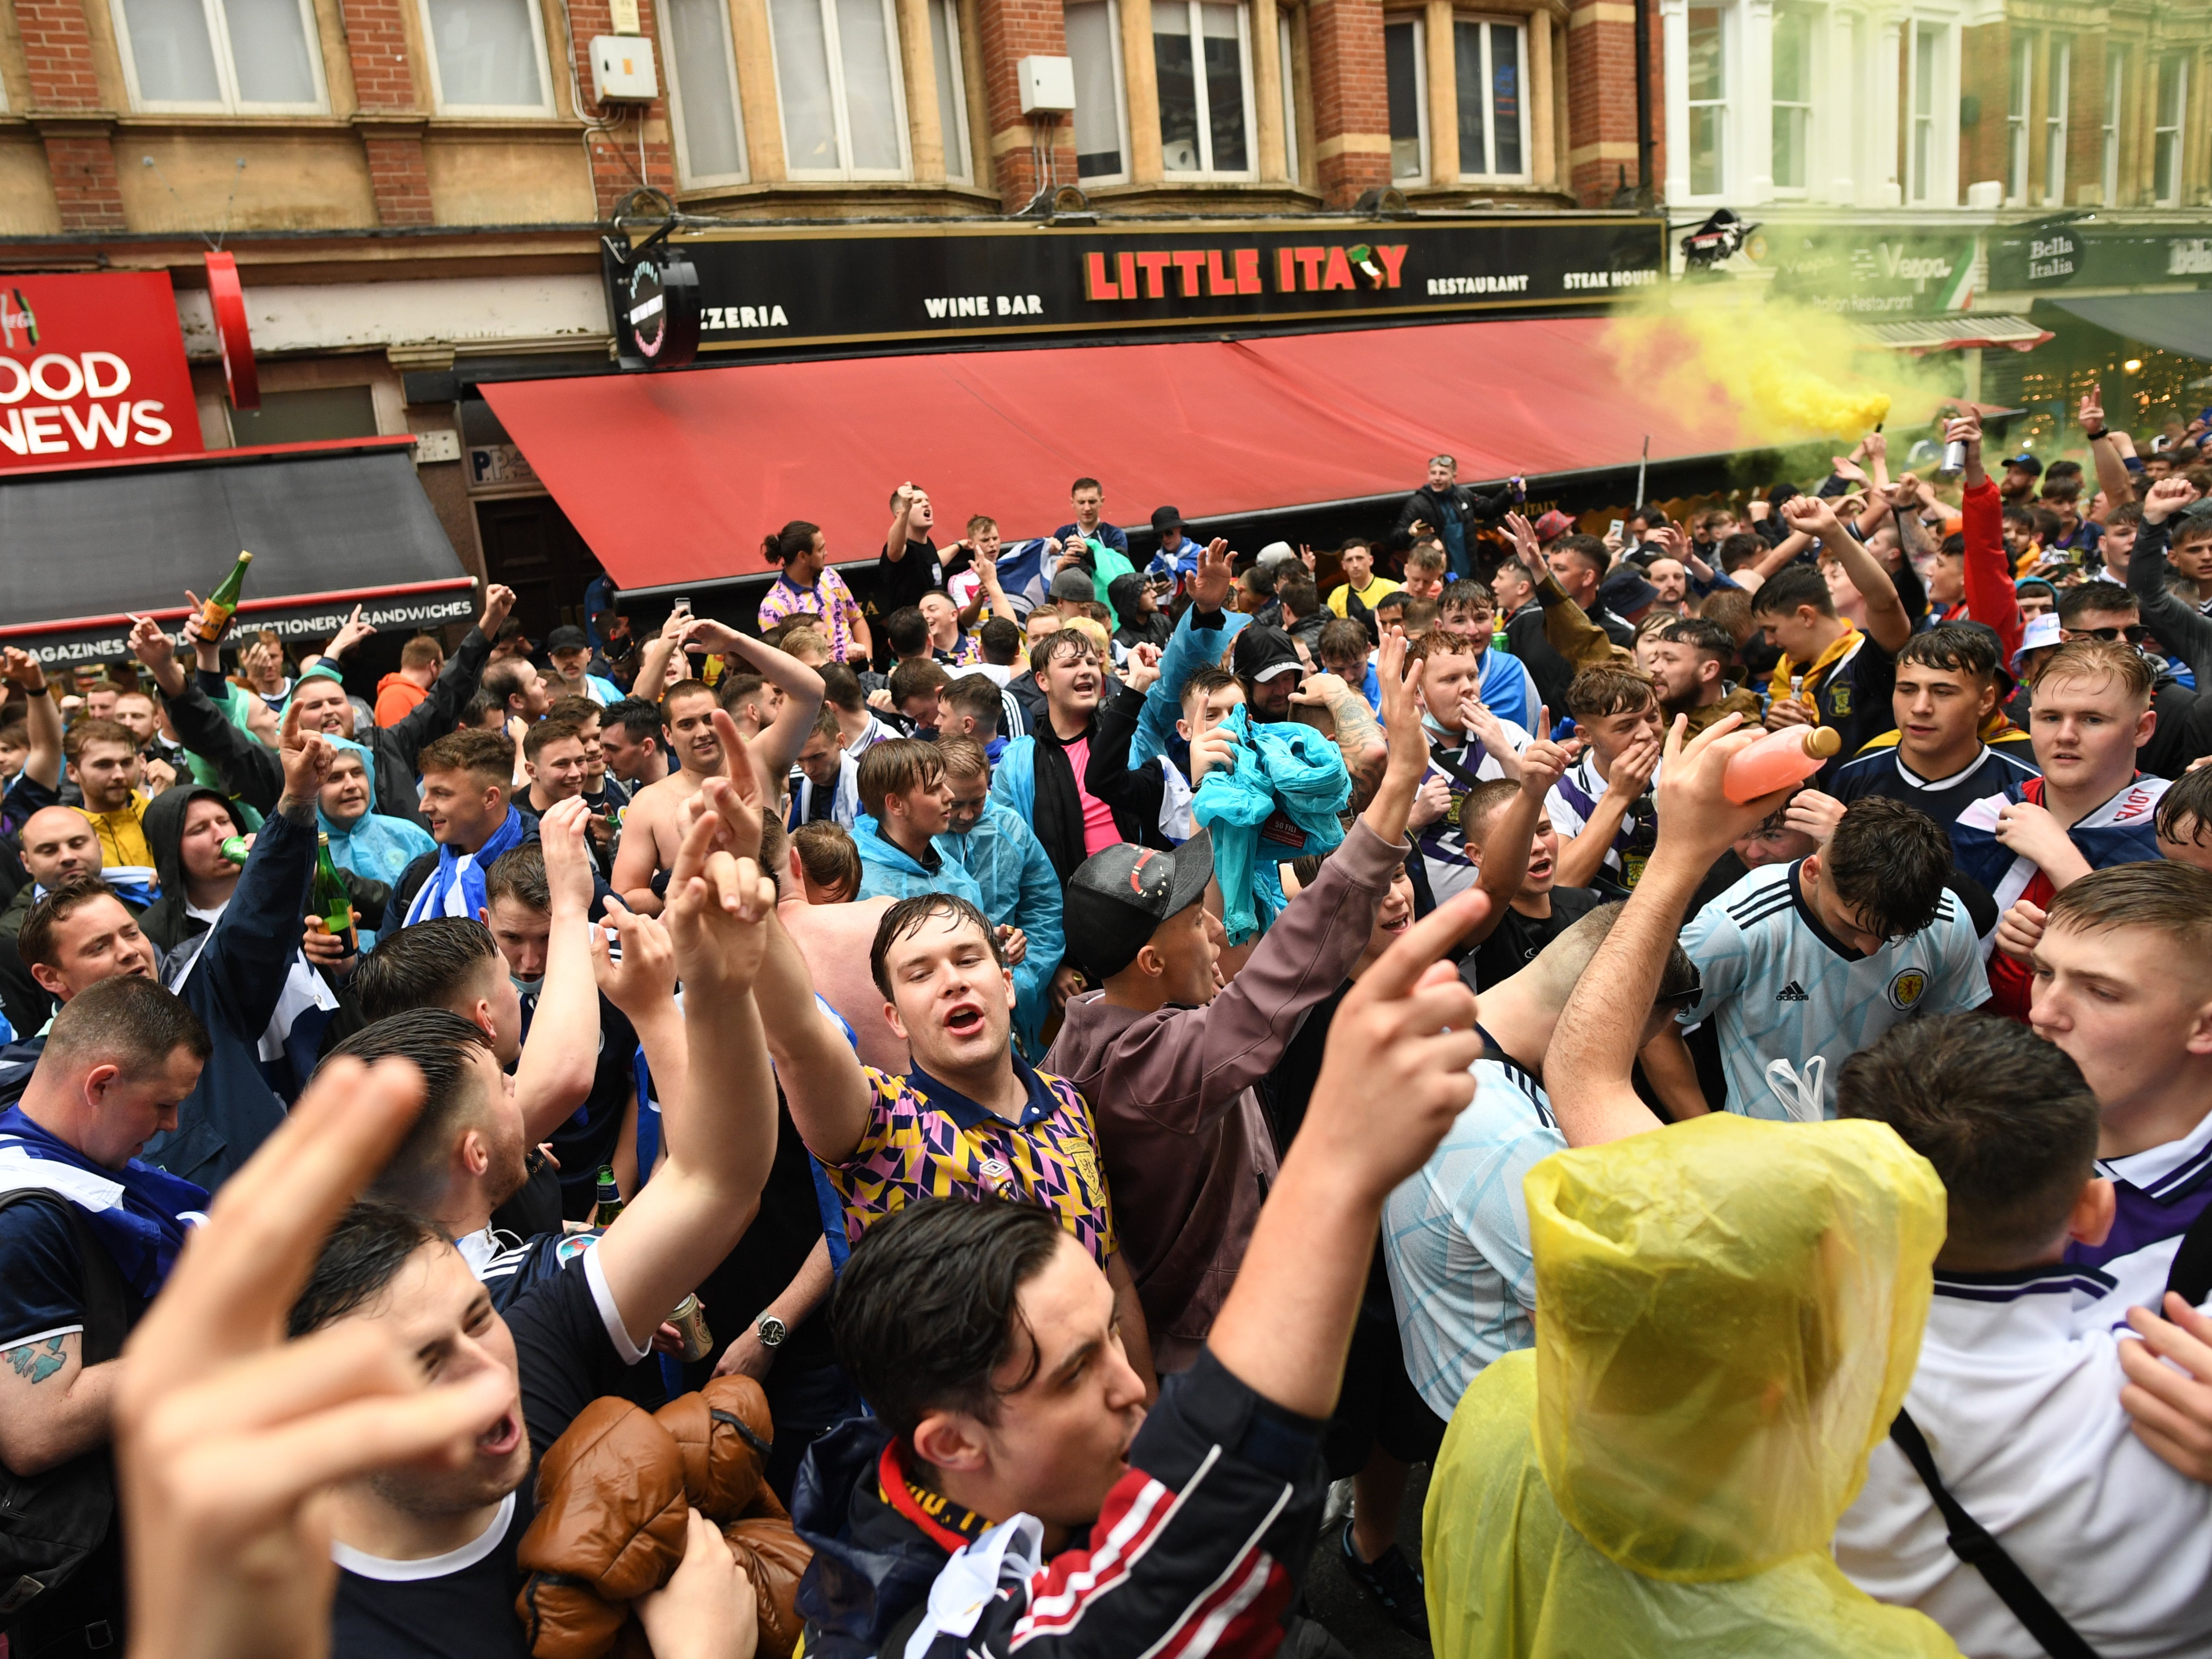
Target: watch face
{"x":772,"y":1331}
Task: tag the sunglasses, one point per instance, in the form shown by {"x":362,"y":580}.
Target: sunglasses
{"x":2134,"y":636}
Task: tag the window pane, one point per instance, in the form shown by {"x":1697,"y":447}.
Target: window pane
{"x":1172,"y":63}
{"x":1707,"y":76}
{"x":945,"y":49}
{"x":2169,"y":91}
{"x":1706,"y":151}
{"x":698,"y":50}
{"x":1505,"y":94}
{"x":1467,"y":80}
{"x":1790,"y":36}
{"x":268,"y":46}
{"x":1097,"y":90}
{"x":1225,"y":88}
{"x":487,"y":55}
{"x":1290,"y":95}
{"x":1402,"y":49}
{"x":1924,"y":79}
{"x":169,"y":44}
{"x":1788,"y":149}
{"x":870,"y":108}
{"x":802,"y":85}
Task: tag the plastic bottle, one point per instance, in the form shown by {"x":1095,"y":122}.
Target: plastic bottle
{"x":217,"y":608}
{"x":1778,"y":760}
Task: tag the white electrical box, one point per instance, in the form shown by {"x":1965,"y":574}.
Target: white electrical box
{"x":443,"y":445}
{"x":1047,"y":85}
{"x":622,"y":69}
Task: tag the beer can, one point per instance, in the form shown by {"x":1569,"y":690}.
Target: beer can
{"x":690,"y":1321}
{"x":1955,"y":460}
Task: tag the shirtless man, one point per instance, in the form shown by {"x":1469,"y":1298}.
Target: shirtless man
{"x":652,"y":827}
{"x":836,"y":940}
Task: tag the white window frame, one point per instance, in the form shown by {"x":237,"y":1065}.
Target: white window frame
{"x":2019,"y":92}
{"x":955,"y":142}
{"x":1809,"y":104}
{"x":833,"y":54}
{"x":2058,"y":89}
{"x":1924,"y":157}
{"x":1724,"y":139}
{"x":1119,"y":79}
{"x":1420,"y":25}
{"x":1290,"y":100}
{"x":2116,"y":80}
{"x":544,"y":107}
{"x":2162,"y":136}
{"x":225,"y":70}
{"x":729,"y":66}
{"x":1520,"y":27}
{"x":1195,"y":10}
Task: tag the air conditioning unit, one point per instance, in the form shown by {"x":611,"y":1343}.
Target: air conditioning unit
{"x":622,"y":69}
{"x":1047,"y":85}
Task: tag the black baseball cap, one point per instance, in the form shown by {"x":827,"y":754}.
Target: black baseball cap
{"x":1118,"y":897}
{"x":1165,"y":518}
{"x":1263,"y":653}
{"x":567,"y":637}
{"x":2025,"y":462}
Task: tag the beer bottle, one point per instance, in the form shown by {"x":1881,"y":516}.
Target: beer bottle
{"x":217,"y":609}
{"x":332,"y":903}
{"x":609,"y":1203}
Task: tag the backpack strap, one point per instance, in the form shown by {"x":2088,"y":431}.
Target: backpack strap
{"x":1971,"y":1543}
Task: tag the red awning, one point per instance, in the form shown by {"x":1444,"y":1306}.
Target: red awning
{"x":675,"y":478}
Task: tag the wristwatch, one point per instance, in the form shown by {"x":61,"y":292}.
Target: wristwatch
{"x":771,"y":1331}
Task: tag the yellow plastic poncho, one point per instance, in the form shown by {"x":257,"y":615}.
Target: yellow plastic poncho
{"x":1727,"y":1314}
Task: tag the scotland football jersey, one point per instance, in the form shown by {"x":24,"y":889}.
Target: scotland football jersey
{"x":1779,"y":986}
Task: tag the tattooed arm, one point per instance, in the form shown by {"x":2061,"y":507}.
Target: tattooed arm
{"x":52,"y":1407}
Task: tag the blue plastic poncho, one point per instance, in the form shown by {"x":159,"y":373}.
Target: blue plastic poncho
{"x":1287,"y":787}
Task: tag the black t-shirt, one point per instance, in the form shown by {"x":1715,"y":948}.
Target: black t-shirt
{"x":585,"y":1139}
{"x":566,"y":1359}
{"x":766,"y":1260}
{"x":1288,"y":1088}
{"x":902,"y":582}
{"x":1519,"y":939}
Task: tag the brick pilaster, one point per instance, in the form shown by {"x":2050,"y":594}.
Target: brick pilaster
{"x":1351,"y":97}
{"x":614,"y":155}
{"x":1600,"y":71}
{"x":393,"y":109}
{"x":1007,"y":32}
{"x":80,"y":158}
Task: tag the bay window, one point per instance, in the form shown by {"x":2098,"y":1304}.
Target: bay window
{"x":1201,"y":54}
{"x":2166,"y":133}
{"x":1707,"y":100}
{"x":703,"y":91}
{"x":838,"y":88}
{"x":1792,"y":100}
{"x":1405,"y":75}
{"x":1094,"y":46}
{"x":2060,"y":72}
{"x":1489,"y":58}
{"x":2018,"y":91}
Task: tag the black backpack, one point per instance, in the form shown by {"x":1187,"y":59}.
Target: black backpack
{"x":51,"y":1524}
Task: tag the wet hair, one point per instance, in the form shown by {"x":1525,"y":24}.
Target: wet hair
{"x":364,"y":1253}
{"x":1889,"y":862}
{"x":916,"y":676}
{"x":975,"y":696}
{"x":637,"y":717}
{"x":794,"y":541}
{"x":828,"y":855}
{"x":907,"y":631}
{"x":964,"y":757}
{"x":1462,"y":598}
{"x":429,"y":965}
{"x":35,"y":943}
{"x":1341,"y":639}
{"x":518,"y":873}
{"x":2172,"y":898}
{"x":2004,"y":1116}
{"x":84,"y":732}
{"x":2187,"y":805}
{"x":894,"y":766}
{"x":1955,"y":647}
{"x":1791,"y":587}
{"x":547,"y":732}
{"x":929,"y":1306}
{"x":1437,"y":642}
{"x":2098,"y":660}
{"x":131,"y":1021}
{"x":1426,"y":556}
{"x":1703,"y":635}
{"x":1067,"y":642}
{"x":1295,"y":588}
{"x":440,"y":1044}
{"x":1606,"y":689}
{"x":1000,"y":638}
{"x":908,"y":917}
{"x":1208,"y":680}
{"x":1742,"y":548}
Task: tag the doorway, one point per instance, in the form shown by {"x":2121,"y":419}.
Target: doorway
{"x":529,"y":545}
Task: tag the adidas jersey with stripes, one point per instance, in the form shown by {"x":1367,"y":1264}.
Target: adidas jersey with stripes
{"x":1455,"y":1236}
{"x":1779,"y":986}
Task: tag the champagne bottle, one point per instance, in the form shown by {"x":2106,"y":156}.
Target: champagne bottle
{"x":332,"y":903}
{"x":609,"y":1203}
{"x":217,"y":608}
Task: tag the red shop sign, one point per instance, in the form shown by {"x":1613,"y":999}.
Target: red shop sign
{"x":92,"y":368}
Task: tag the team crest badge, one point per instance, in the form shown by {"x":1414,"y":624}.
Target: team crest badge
{"x":1905,"y":990}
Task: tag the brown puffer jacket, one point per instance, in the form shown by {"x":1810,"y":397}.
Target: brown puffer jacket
{"x":614,"y":1494}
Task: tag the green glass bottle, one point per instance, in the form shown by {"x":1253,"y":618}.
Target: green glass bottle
{"x":218,"y":607}
{"x":332,"y":903}
{"x":609,"y":1203}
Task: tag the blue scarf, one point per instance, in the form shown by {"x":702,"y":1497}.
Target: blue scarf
{"x":456,"y":886}
{"x":139,"y":1213}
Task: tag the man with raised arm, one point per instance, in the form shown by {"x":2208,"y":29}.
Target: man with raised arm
{"x":426,"y":1555}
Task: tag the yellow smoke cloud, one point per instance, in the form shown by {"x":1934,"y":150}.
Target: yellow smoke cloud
{"x":1771,"y":372}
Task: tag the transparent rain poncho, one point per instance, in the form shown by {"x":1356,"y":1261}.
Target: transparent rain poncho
{"x":1728,"y":1315}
